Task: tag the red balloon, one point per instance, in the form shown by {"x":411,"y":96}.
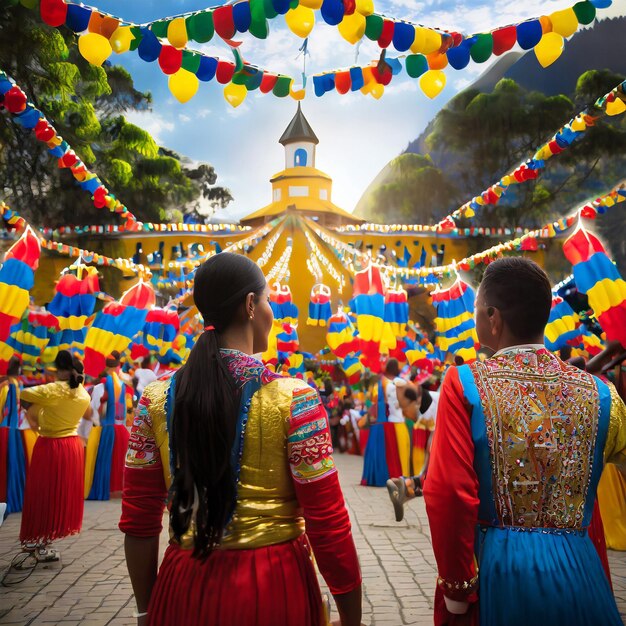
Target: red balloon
{"x":53,"y":12}
{"x":343,"y":82}
{"x":554,"y":147}
{"x":99,"y":196}
{"x":68,"y":159}
{"x":457,"y":38}
{"x":224,"y":72}
{"x":588,"y":212}
{"x":386,"y":37}
{"x":170,"y":59}
{"x":349,"y":7}
{"x":223,"y":21}
{"x":504,"y":39}
{"x":267,"y":83}
{"x":384,"y":77}
{"x":43,"y":131}
{"x":15,"y":100}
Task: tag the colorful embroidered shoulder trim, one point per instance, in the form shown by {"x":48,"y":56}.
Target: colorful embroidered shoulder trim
{"x":309,"y":443}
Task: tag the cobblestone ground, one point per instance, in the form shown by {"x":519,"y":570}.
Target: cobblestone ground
{"x":91,"y":585}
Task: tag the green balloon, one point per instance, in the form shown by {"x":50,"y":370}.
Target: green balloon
{"x":585,"y":12}
{"x":160,"y":29}
{"x":270,"y":11}
{"x":281,"y":88}
{"x":239,"y":78}
{"x":482,"y":49}
{"x":191,"y":61}
{"x":137,"y":37}
{"x":416,"y":65}
{"x":294,"y":4}
{"x":373,"y":26}
{"x":200,"y":26}
{"x":259,"y":27}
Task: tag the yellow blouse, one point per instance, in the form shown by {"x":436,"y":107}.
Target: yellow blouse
{"x":60,"y":407}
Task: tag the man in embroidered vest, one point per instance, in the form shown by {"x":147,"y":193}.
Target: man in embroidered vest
{"x":520,"y":444}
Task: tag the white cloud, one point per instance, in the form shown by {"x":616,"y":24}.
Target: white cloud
{"x":184,"y":118}
{"x":202,"y":113}
{"x":152,"y":122}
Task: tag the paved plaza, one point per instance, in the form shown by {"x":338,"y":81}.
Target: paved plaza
{"x":91,"y":585}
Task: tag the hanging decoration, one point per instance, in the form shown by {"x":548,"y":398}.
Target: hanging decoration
{"x":613,"y":103}
{"x":353,"y":369}
{"x":160,"y":330}
{"x":281,"y":301}
{"x":29,"y":338}
{"x":341,"y":335}
{"x":115,"y":326}
{"x":319,"y":305}
{"x":563,"y":326}
{"x":429,"y":50}
{"x":29,"y":117}
{"x":287,"y":340}
{"x":455,"y":327}
{"x":74,"y":303}
{"x":17,"y":277}
{"x":598,"y":278}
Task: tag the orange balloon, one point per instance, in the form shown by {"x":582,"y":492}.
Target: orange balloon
{"x":109,"y":26}
{"x":437,"y":61}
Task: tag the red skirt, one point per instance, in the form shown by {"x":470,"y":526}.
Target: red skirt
{"x":53,"y":495}
{"x":270,"y":586}
{"x":118,"y":459}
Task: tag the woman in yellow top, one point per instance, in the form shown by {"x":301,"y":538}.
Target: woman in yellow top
{"x":247,"y":458}
{"x":53,"y":496}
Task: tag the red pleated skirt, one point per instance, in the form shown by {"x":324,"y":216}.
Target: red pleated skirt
{"x":53,"y":495}
{"x":270,"y":586}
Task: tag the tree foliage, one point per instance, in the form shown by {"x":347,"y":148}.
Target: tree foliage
{"x":87,"y":105}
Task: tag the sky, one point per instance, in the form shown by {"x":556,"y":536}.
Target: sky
{"x":358,"y":135}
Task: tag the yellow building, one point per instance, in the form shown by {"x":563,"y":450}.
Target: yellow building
{"x":301,"y":188}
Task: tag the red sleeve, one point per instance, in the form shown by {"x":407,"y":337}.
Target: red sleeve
{"x":319,"y":493}
{"x":144,"y":495}
{"x":451,"y":492}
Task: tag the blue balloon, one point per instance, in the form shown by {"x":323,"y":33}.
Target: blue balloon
{"x":356,"y":78}
{"x":29,"y":117}
{"x":57,"y":151}
{"x":459,"y":57}
{"x":254,"y":82}
{"x":403,"y":36}
{"x":529,"y":34}
{"x":281,"y":6}
{"x":5,"y":85}
{"x":601,"y":4}
{"x":90,"y":185}
{"x":77,"y":18}
{"x":206,"y":70}
{"x":332,"y":11}
{"x":242,"y":16}
{"x":395,"y":65}
{"x":150,"y":47}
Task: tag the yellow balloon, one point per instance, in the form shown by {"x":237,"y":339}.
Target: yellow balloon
{"x":426,"y":40}
{"x":235,"y":94}
{"x":377,"y":91}
{"x":121,"y":39}
{"x":311,"y":4}
{"x":183,"y":85}
{"x":177,"y":32}
{"x":298,"y":94}
{"x":549,"y":49}
{"x":616,"y":107}
{"x":300,"y":20}
{"x":95,"y":48}
{"x":564,"y":22}
{"x":352,"y":27}
{"x":365,"y":7}
{"x":432,"y":83}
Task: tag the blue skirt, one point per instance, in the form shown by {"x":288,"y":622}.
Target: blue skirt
{"x":542,"y":578}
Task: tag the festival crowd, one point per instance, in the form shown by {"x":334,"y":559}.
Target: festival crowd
{"x":520,"y":456}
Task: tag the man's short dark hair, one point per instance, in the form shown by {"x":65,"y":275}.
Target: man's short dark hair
{"x":521,"y":291}
{"x":392,"y":367}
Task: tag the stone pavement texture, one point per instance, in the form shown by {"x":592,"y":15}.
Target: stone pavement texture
{"x":92,"y":587}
